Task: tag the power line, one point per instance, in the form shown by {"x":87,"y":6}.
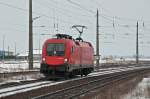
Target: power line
{"x":68,"y":9}
{"x":81,"y":7}
{"x":26,"y":10}
{"x":99,"y":4}
{"x":104,"y":16}
{"x":118,"y":17}
{"x":65,"y":13}
{"x":12,"y":6}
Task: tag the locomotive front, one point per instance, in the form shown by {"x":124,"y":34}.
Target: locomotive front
{"x":54,"y":57}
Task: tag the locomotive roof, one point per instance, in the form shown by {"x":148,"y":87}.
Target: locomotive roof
{"x":63,"y":36}
{"x":77,"y":41}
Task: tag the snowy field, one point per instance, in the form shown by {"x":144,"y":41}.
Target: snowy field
{"x":18,"y":66}
{"x":15,"y":66}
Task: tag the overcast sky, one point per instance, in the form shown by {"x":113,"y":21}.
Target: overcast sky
{"x":117,"y":23}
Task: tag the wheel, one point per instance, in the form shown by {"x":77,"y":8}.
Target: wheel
{"x":85,"y":72}
{"x":66,"y":75}
{"x":71,"y":75}
{"x":81,"y":73}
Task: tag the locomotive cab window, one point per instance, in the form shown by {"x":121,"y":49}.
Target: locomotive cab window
{"x":55,"y":49}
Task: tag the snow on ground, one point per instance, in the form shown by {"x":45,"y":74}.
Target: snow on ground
{"x":18,"y":66}
{"x":20,"y":78}
{"x":15,"y":66}
{"x":22,"y":88}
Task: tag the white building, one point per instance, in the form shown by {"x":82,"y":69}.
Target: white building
{"x":36,"y":55}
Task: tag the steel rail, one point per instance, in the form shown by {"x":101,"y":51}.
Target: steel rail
{"x":100,"y":86}
{"x":10,"y":74}
{"x":62,"y":92}
{"x":24,"y":87}
{"x":15,"y":84}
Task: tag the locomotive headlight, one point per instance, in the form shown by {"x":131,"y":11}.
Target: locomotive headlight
{"x":65,"y":60}
{"x":43,"y":59}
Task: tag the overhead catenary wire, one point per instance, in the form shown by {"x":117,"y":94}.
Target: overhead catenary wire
{"x":100,"y":5}
{"x":64,"y":12}
{"x":12,"y":6}
{"x":109,"y":18}
{"x":69,"y":8}
{"x":80,"y":6}
{"x":115,"y":16}
{"x":26,"y":10}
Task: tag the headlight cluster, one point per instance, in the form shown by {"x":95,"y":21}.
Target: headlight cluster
{"x":65,"y":60}
{"x":43,"y":59}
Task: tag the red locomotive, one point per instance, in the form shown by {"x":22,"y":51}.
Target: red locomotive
{"x":64,"y":56}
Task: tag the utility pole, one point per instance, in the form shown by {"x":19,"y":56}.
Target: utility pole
{"x":8,"y":51}
{"x":97,"y":40}
{"x":15,"y":51}
{"x":30,"y":55}
{"x":57,"y":28}
{"x":39,"y":47}
{"x":3,"y":48}
{"x":137,"y":44}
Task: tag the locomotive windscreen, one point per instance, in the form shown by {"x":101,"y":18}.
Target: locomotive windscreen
{"x":54,"y":49}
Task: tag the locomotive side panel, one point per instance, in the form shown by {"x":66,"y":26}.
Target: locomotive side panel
{"x":74,"y":59}
{"x":87,"y":56}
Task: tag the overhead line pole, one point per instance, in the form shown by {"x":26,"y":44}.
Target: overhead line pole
{"x":137,"y":45}
{"x":15,"y":51}
{"x":3,"y":47}
{"x":97,"y":40}
{"x":30,"y":55}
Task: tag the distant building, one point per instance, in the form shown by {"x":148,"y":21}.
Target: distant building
{"x":2,"y":53}
{"x":22,"y":56}
{"x":36,"y":55}
{"x":6,"y":54}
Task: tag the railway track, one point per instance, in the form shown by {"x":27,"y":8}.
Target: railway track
{"x":18,"y":83}
{"x":74,"y":87}
{"x":22,"y":88}
{"x":10,"y":74}
{"x":83,"y":88}
{"x":19,"y":78}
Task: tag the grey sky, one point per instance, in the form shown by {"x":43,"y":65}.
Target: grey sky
{"x":117,"y":40}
